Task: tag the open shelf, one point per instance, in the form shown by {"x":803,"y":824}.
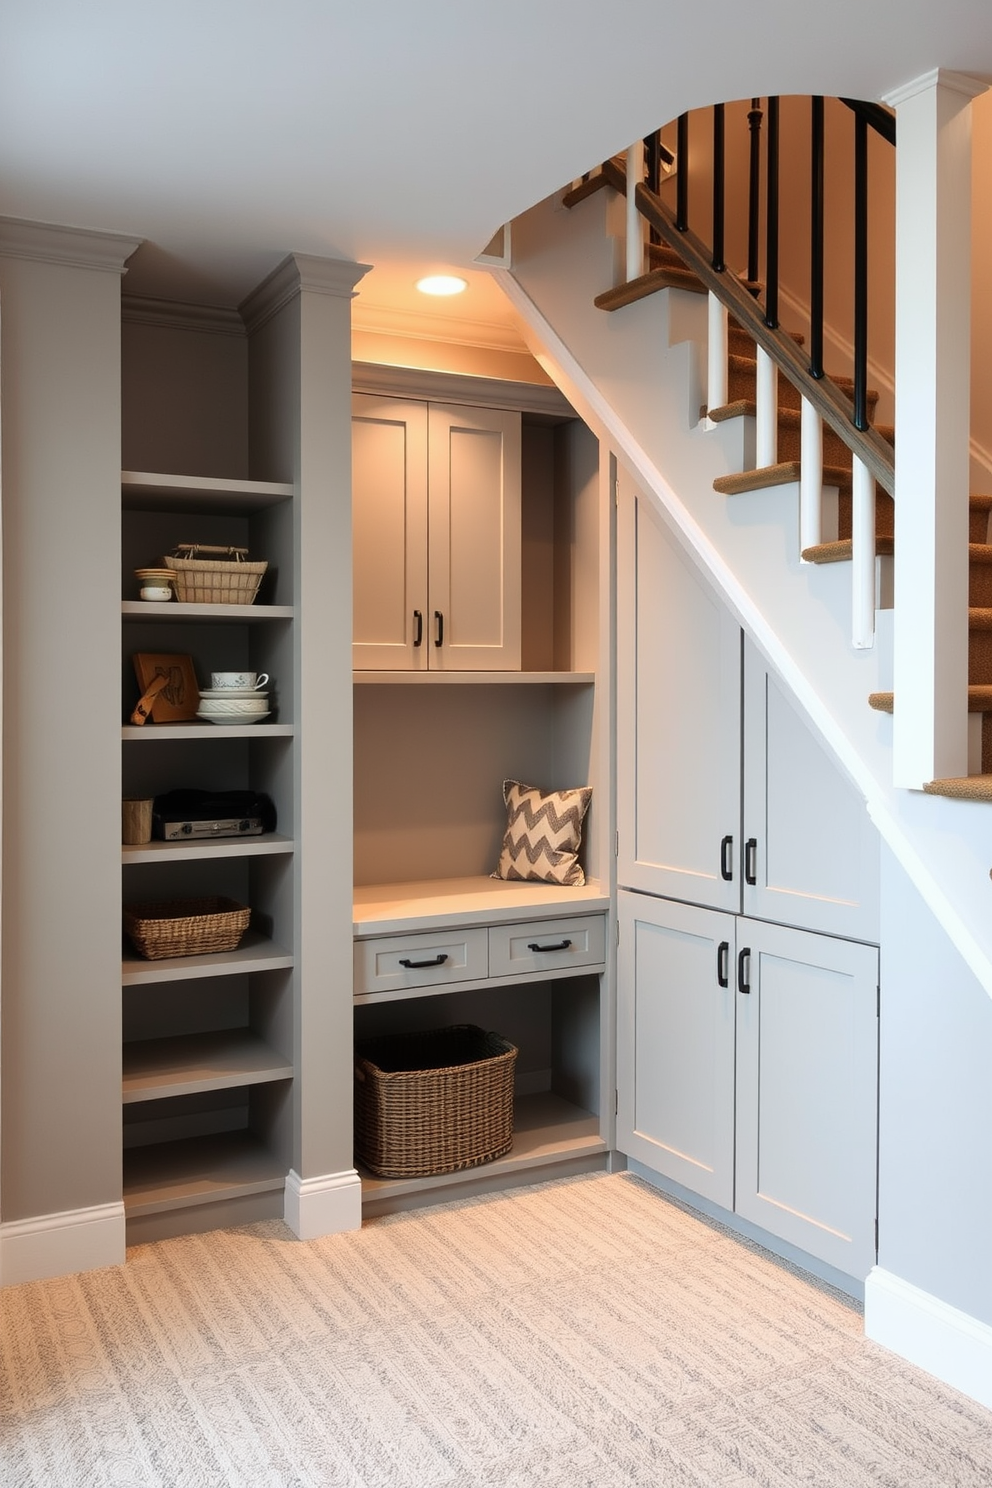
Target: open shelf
{"x":546,"y":1129}
{"x":394,"y":908}
{"x":255,"y":953}
{"x":197,"y":1170}
{"x":175,"y":611}
{"x":194,"y":1062}
{"x":165,"y":731}
{"x":145,"y":491}
{"x":463,"y":679}
{"x":207,"y":847}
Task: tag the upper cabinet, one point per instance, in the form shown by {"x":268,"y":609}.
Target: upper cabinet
{"x":726,"y":797}
{"x":437,"y":536}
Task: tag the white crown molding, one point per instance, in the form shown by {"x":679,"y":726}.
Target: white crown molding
{"x":937,"y":77}
{"x":76,"y":247}
{"x":328,"y":1205}
{"x":218,"y":320}
{"x":929,"y":1333}
{"x":415,"y":325}
{"x":296,"y":273}
{"x":59,"y":1244}
{"x":459,"y":387}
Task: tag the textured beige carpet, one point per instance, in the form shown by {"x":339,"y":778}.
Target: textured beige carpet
{"x":583,"y":1334}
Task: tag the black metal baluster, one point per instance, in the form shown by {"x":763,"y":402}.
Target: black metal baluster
{"x":860,"y":272}
{"x":682,"y":193}
{"x":754,"y":189}
{"x":719,"y":194}
{"x":771,"y":219}
{"x":816,"y":225}
{"x":652,"y":172}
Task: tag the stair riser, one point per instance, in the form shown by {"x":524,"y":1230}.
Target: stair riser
{"x":885,"y":514}
{"x":980,"y":585}
{"x":741,"y":383}
{"x":980,"y":657}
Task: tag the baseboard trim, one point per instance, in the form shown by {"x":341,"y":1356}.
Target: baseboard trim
{"x":327,"y":1205}
{"x":941,"y":1339}
{"x":50,"y":1245}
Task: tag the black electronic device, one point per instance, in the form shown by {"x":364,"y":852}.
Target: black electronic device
{"x":185,"y":815}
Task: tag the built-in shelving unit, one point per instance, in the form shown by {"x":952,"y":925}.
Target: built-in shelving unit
{"x":207,"y":1072}
{"x":483,"y":679}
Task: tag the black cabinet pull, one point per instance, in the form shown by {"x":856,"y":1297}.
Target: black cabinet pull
{"x":562,"y":945}
{"x":419,"y":965}
{"x":723,"y":963}
{"x":418,"y":616}
{"x":438,"y":628}
{"x":727,"y":859}
{"x":751,"y":860}
{"x":744,"y":983}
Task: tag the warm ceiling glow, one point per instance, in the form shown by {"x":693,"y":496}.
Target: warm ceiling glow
{"x":442,"y":284}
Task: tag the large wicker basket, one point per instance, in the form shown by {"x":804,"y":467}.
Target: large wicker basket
{"x":433,"y":1102}
{"x":209,"y":575}
{"x":186,"y":927}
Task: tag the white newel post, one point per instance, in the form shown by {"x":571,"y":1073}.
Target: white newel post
{"x":810,"y":478}
{"x":933,"y":326}
{"x":635,"y":230}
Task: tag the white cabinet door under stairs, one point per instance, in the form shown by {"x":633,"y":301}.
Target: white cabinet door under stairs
{"x":726,"y":797}
{"x":437,"y":536}
{"x":746,"y":1071}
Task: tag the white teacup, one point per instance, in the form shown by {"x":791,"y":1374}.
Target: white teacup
{"x":238,"y":681}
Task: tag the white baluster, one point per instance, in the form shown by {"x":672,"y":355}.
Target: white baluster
{"x":716,"y":356}
{"x":766,"y":441}
{"x":635,"y":228}
{"x":863,"y":557}
{"x":811,"y":478}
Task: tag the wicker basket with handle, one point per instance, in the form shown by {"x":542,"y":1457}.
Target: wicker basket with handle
{"x":186,"y":927}
{"x":433,"y":1102}
{"x":212,"y":575}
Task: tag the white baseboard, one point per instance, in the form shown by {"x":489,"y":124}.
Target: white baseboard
{"x":59,"y":1244}
{"x":327,"y":1205}
{"x":939,"y":1338}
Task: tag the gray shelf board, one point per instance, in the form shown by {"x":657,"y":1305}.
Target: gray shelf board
{"x":190,"y":1063}
{"x":546,"y":1129}
{"x":162,"y":732}
{"x":474,"y":679}
{"x":428,"y":904}
{"x":197,"y":1170}
{"x":177,"y":611}
{"x":143,"y":490}
{"x":208,"y":847}
{"x":255,"y":953}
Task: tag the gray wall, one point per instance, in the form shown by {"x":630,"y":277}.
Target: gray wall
{"x":935,"y":1119}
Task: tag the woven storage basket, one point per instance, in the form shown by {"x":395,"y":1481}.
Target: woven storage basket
{"x":219,"y":576}
{"x":433,"y":1102}
{"x":186,"y":927}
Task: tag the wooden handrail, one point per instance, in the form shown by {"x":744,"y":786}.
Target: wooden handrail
{"x":833,"y":405}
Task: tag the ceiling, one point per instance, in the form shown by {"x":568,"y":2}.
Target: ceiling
{"x":401,"y":133}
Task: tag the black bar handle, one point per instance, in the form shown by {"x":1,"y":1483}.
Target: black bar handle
{"x":744,"y":983}
{"x":438,"y":960}
{"x":418,"y":617}
{"x":751,"y":861}
{"x":723,"y":963}
{"x":438,"y":628}
{"x":562,"y":945}
{"x":727,"y":859}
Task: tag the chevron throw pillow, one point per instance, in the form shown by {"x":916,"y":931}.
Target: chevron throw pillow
{"x":543,"y":834}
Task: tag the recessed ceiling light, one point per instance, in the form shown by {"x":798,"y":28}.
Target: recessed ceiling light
{"x":442,"y":284}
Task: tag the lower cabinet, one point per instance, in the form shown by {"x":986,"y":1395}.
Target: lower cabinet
{"x":747,"y":1070}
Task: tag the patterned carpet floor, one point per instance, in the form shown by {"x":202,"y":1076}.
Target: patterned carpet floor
{"x":580,"y":1334}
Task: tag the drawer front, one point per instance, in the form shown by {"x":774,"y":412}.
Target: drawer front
{"x":444,"y":956}
{"x":580,"y":941}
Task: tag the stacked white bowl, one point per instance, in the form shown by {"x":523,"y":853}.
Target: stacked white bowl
{"x":235,"y":698}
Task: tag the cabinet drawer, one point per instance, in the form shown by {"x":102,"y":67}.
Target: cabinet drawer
{"x":547,"y":945}
{"x":444,"y":956}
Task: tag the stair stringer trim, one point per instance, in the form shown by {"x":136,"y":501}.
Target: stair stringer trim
{"x":942,"y":844}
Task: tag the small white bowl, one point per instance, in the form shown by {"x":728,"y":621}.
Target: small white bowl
{"x":234,"y":706}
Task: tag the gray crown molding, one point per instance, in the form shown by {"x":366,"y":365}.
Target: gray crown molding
{"x":76,"y":247}
{"x":451,"y":330}
{"x":459,"y":387}
{"x":937,"y":77}
{"x":219,"y":320}
{"x":296,"y":273}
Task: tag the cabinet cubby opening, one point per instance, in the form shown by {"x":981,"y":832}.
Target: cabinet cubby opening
{"x":265,"y":884}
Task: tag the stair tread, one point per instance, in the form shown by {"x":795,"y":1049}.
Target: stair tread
{"x":979,"y":699}
{"x":739,"y":361}
{"x":962,"y":788}
{"x":980,"y":552}
{"x":782,"y":474}
{"x":979,"y":618}
{"x":788,"y":418}
{"x":648,"y":284}
{"x":841,"y":550}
